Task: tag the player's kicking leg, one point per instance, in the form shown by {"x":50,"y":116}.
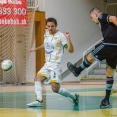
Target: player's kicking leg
{"x":85,"y":64}
{"x":62,"y":91}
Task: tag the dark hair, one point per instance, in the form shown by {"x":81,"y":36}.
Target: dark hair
{"x":95,"y":9}
{"x":51,"y":19}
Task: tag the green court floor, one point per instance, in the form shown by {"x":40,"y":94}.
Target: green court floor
{"x":89,"y":100}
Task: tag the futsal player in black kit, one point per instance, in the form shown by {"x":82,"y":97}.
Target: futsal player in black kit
{"x":107,"y":50}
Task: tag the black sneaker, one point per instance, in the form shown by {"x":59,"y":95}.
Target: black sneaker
{"x":72,"y":68}
{"x":105,"y":104}
{"x":76,"y":101}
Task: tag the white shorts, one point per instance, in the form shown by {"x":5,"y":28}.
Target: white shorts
{"x":52,"y":71}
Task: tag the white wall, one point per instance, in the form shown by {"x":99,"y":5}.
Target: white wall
{"x":31,"y":70}
{"x":41,"y":5}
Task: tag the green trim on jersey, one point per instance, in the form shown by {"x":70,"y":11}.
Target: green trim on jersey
{"x":64,"y":47}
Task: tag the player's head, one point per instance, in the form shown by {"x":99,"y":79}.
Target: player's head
{"x":94,"y":13}
{"x":51,"y":24}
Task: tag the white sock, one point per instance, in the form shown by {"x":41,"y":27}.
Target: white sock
{"x":38,"y":90}
{"x":66,"y":93}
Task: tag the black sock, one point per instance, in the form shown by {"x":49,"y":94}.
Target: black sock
{"x":109,"y":84}
{"x":85,"y":64}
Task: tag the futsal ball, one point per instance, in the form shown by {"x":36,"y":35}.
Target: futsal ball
{"x":7,"y":65}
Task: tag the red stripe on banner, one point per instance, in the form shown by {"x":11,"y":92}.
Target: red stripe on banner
{"x":13,"y":12}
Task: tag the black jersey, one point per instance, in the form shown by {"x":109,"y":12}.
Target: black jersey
{"x":108,"y":29}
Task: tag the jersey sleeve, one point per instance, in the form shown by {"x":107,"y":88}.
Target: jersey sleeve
{"x":63,"y":40}
{"x":104,"y":18}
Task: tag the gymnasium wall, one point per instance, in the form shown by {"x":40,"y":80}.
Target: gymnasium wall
{"x":72,"y":15}
{"x":31,"y":63}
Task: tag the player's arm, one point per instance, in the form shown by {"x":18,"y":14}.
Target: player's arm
{"x":113,"y":19}
{"x":38,"y":48}
{"x":69,"y":46}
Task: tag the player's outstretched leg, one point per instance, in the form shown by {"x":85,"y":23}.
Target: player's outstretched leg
{"x":62,"y":91}
{"x":77,"y":70}
{"x":66,"y":93}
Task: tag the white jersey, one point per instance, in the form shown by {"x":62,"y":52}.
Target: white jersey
{"x":54,"y":46}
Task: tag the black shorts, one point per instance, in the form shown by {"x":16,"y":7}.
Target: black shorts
{"x":109,"y":53}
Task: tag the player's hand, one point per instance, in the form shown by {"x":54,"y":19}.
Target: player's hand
{"x":32,"y":49}
{"x":67,"y":34}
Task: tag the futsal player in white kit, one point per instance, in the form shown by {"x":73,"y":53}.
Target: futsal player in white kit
{"x":54,"y":44}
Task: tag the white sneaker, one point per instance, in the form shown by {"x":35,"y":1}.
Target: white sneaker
{"x":35,"y":103}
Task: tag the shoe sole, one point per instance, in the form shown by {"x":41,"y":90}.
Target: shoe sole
{"x":35,"y":106}
{"x":104,"y":106}
{"x":70,"y":68}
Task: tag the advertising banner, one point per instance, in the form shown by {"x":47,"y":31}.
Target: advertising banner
{"x":13,"y":12}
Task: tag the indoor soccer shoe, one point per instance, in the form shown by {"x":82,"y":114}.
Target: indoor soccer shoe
{"x":76,"y":101}
{"x":105,"y":104}
{"x":35,"y":103}
{"x":72,"y":68}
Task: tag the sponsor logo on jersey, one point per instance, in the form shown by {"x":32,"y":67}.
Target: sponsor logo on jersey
{"x":49,"y":48}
